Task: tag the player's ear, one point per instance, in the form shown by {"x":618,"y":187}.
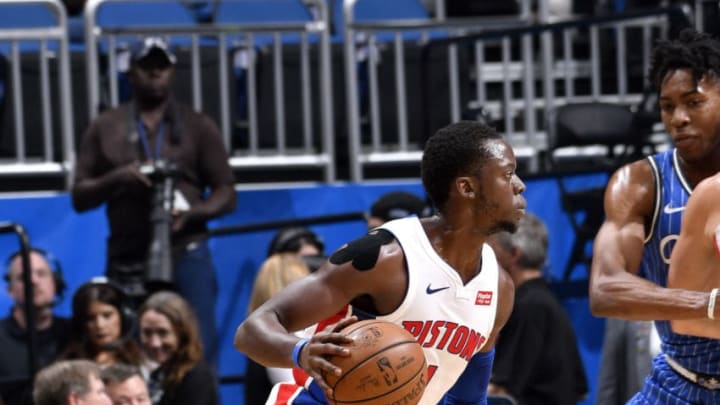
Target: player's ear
{"x":465,"y":187}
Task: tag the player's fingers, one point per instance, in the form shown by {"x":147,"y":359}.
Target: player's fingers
{"x":343,"y":323}
{"x":318,"y":378}
{"x":337,"y":339}
{"x":329,"y":348}
{"x":319,"y":367}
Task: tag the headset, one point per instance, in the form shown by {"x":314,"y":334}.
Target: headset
{"x":127,"y":312}
{"x":60,"y":284}
{"x":288,"y":240}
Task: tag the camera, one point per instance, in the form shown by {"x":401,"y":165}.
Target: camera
{"x":159,"y":273}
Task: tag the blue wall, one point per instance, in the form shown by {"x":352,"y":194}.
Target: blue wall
{"x":78,"y":241}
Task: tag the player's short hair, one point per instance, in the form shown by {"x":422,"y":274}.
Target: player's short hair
{"x":692,"y":50}
{"x":451,"y":152}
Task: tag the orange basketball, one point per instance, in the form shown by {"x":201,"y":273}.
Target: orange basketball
{"x":386,"y":366}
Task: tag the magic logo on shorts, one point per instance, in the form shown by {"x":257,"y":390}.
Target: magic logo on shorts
{"x":456,"y":339}
{"x":483,"y":298}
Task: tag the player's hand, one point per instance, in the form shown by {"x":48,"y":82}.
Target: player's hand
{"x":330,"y":342}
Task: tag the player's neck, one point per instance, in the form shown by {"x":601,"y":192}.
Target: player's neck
{"x":453,"y":242}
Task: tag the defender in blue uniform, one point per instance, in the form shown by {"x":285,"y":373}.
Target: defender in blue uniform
{"x":644,"y":204}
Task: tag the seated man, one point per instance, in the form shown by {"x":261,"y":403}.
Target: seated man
{"x":52,"y":332}
{"x":70,"y":382}
{"x":554,"y":375}
{"x":125,"y":385}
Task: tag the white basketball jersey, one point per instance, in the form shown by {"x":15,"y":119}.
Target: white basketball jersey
{"x":451,"y":320}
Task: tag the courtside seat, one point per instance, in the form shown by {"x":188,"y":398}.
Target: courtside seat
{"x":596,"y":137}
{"x":31,"y":15}
{"x":263,"y":11}
{"x":144,"y":13}
{"x":379,"y":10}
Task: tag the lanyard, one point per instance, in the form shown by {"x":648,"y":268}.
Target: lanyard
{"x":146,"y":142}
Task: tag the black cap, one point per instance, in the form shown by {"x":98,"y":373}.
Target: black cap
{"x":397,"y":204}
{"x":141,"y":49}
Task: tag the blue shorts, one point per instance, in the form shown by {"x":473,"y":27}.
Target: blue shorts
{"x":664,"y":386}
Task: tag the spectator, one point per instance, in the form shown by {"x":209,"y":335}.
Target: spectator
{"x":395,"y":205}
{"x":628,"y":349}
{"x":170,"y":338}
{"x":154,"y":131}
{"x":298,"y":240}
{"x":52,"y":331}
{"x":536,"y":359}
{"x":276,"y":273}
{"x":70,"y":382}
{"x":302,"y":241}
{"x":125,"y":385}
{"x":102,"y":325}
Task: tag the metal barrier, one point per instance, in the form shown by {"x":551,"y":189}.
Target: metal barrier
{"x":288,"y":121}
{"x":517,"y":71}
{"x":254,"y":138}
{"x":402,"y":149}
{"x":36,"y":123}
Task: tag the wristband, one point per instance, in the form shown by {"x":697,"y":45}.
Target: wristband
{"x":296,"y":351}
{"x":711,"y":303}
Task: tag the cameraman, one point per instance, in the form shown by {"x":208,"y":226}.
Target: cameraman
{"x":117,"y":163}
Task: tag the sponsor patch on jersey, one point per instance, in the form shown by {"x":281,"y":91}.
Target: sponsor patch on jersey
{"x":483,"y":298}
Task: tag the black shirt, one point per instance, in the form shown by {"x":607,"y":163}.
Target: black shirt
{"x":15,"y":378}
{"x":198,"y":386}
{"x":536,"y":357}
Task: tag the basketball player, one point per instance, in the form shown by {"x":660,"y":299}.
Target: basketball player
{"x":644,"y":203}
{"x":436,"y":277}
{"x":695,"y":262}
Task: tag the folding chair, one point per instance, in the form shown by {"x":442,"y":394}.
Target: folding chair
{"x":612,"y":129}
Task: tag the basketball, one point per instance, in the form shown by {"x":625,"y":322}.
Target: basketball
{"x":386,"y":366}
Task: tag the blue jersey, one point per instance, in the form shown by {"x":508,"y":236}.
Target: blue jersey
{"x":698,"y":354}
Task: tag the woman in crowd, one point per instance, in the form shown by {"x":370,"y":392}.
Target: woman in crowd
{"x":103,"y":325}
{"x":276,"y":272}
{"x":171,"y":341}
